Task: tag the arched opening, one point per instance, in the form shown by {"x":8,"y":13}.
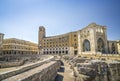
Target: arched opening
{"x":113,"y":48}
{"x":15,"y":52}
{"x":86,"y":45}
{"x":100,"y":45}
{"x":59,"y":52}
{"x":66,"y":52}
{"x":44,"y":52}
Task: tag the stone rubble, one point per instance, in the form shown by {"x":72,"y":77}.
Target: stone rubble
{"x":94,"y":70}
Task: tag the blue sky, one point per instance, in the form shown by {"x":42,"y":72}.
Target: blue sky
{"x":22,"y":18}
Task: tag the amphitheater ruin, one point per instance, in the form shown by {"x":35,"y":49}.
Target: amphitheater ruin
{"x":73,"y":56}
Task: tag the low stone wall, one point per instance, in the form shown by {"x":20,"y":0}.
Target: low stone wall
{"x":11,"y":64}
{"x":23,"y":69}
{"x":102,"y":56}
{"x":45,"y":72}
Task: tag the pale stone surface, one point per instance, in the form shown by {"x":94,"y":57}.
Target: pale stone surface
{"x":41,"y":73}
{"x":65,"y":73}
{"x":24,"y":68}
{"x":75,"y":42}
{"x":95,"y":70}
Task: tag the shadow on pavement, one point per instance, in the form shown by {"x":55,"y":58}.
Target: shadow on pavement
{"x":62,"y":64}
{"x":59,"y":78}
{"x":62,"y":69}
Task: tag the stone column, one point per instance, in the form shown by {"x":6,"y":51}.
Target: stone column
{"x":79,"y":43}
{"x":106,"y":44}
{"x":93,"y":40}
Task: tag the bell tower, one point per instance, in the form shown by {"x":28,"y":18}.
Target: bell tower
{"x":41,"y":35}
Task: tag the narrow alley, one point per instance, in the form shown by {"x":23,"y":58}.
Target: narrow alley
{"x":65,"y":73}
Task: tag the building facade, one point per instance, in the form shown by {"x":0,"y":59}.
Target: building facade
{"x":17,"y":46}
{"x":92,"y":39}
{"x":89,"y":40}
{"x":60,"y":44}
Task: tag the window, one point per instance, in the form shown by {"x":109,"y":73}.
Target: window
{"x":86,"y":45}
{"x":74,"y":35}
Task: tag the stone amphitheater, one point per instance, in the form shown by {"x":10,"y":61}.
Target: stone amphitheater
{"x":59,"y":68}
{"x":38,"y":68}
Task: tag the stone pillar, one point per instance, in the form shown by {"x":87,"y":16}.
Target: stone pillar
{"x":94,"y":41}
{"x":106,"y":44}
{"x":1,"y":42}
{"x":79,"y":43}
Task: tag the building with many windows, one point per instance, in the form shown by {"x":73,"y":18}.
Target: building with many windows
{"x":60,"y":44}
{"x":92,"y":39}
{"x":89,"y":40}
{"x":17,"y":46}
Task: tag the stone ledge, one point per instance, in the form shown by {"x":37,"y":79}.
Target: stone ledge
{"x":7,"y":74}
{"x":45,"y":72}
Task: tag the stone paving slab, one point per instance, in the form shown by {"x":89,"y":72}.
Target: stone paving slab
{"x":66,"y":74}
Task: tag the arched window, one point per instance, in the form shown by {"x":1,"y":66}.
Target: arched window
{"x":86,"y":45}
{"x":100,"y":45}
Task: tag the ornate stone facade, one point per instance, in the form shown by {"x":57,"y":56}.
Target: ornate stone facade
{"x":97,"y":38}
{"x":89,"y":40}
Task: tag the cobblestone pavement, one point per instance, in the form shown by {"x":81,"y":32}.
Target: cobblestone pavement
{"x":65,"y":73}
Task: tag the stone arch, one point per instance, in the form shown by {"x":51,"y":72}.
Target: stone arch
{"x":86,"y":45}
{"x":100,"y":45}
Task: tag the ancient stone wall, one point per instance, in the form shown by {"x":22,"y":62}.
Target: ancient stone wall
{"x":13,"y":60}
{"x":99,"y":71}
{"x":85,"y":69}
{"x":23,"y":69}
{"x":11,"y":64}
{"x":43,"y":71}
{"x":47,"y":74}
